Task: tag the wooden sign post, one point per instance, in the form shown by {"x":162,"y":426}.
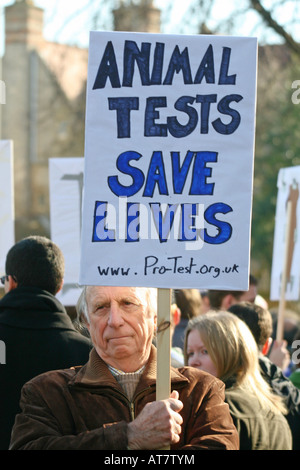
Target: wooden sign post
{"x":163,"y":344}
{"x":281,"y":309}
{"x":163,"y":378}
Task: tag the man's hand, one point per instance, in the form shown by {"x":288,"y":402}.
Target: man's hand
{"x":279,"y":354}
{"x":157,"y":426}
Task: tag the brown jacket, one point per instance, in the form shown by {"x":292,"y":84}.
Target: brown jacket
{"x":85,"y":408}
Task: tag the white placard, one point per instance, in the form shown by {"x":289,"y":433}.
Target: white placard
{"x":169,"y":150}
{"x":65,"y":185}
{"x":288,"y":184}
{"x":7,"y":212}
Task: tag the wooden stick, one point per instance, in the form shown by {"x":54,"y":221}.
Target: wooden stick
{"x":163,"y":384}
{"x":281,"y":309}
{"x":163,"y":379}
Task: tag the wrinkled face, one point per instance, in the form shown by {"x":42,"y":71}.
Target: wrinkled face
{"x":121,"y":325}
{"x":197,"y":354}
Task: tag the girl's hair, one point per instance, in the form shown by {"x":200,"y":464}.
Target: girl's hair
{"x":234,"y":352}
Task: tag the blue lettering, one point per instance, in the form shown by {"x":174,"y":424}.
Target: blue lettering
{"x":201,"y":172}
{"x":224,"y":228}
{"x":188,"y":229}
{"x":180,"y":173}
{"x":178,"y":130}
{"x":132,"y":225}
{"x":156,"y":175}
{"x":124,"y":167}
{"x":224,"y":108}
{"x":205,"y":101}
{"x":100,"y":231}
{"x":179,"y":62}
{"x":224,"y":79}
{"x":123,"y":106}
{"x":151,"y":128}
{"x":164,"y":223}
{"x":206,"y":68}
{"x":156,"y":75}
{"x":108,"y":69}
{"x":132,"y":54}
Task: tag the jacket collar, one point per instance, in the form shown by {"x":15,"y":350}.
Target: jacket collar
{"x":96,"y":373}
{"x":33,"y":308}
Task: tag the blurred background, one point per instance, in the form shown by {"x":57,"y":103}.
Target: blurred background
{"x":43,"y":63}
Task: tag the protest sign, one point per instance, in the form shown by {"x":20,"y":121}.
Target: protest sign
{"x":169,"y":149}
{"x":65,"y":192}
{"x":286,"y":247}
{"x":7,"y":212}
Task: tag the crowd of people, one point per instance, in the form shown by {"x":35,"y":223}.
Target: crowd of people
{"x":65,"y":388}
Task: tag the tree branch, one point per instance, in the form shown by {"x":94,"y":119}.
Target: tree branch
{"x":269,"y":20}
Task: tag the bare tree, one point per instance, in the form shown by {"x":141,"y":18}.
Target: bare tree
{"x":268,"y":18}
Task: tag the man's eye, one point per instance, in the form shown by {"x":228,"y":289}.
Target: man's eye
{"x":129,"y":304}
{"x":100,"y":309}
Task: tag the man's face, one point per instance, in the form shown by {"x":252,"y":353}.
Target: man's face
{"x":250,"y":295}
{"x":121,"y":325}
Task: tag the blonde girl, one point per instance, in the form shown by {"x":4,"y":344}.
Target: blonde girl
{"x":222,"y":345}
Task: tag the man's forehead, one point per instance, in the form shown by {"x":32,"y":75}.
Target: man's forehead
{"x":117,"y":293}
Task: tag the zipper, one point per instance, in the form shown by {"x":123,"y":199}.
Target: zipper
{"x":124,"y":398}
{"x":132,"y":414}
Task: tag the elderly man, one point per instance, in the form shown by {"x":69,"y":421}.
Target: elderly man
{"x":110,"y":402}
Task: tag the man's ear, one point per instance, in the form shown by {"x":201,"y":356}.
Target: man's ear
{"x":175,"y":314}
{"x":61,"y":286}
{"x":11,"y":283}
{"x":228,"y":301}
{"x":155,"y":322}
{"x":266,"y":346}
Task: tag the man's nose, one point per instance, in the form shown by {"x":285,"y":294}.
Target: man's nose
{"x":115,"y":317}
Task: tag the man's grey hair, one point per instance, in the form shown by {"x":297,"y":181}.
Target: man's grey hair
{"x":82,"y":308}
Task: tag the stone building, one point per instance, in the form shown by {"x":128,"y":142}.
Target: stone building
{"x":44,"y":112}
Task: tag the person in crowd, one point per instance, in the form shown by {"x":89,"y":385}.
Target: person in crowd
{"x":110,"y":403}
{"x":189,"y":302}
{"x":259,"y":321}
{"x":223,"y":345}
{"x":34,"y":327}
{"x":205,"y":301}
{"x":222,"y":299}
{"x":177,"y":359}
{"x":291,"y":324}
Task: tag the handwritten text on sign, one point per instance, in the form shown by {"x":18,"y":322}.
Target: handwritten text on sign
{"x":167,"y":119}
